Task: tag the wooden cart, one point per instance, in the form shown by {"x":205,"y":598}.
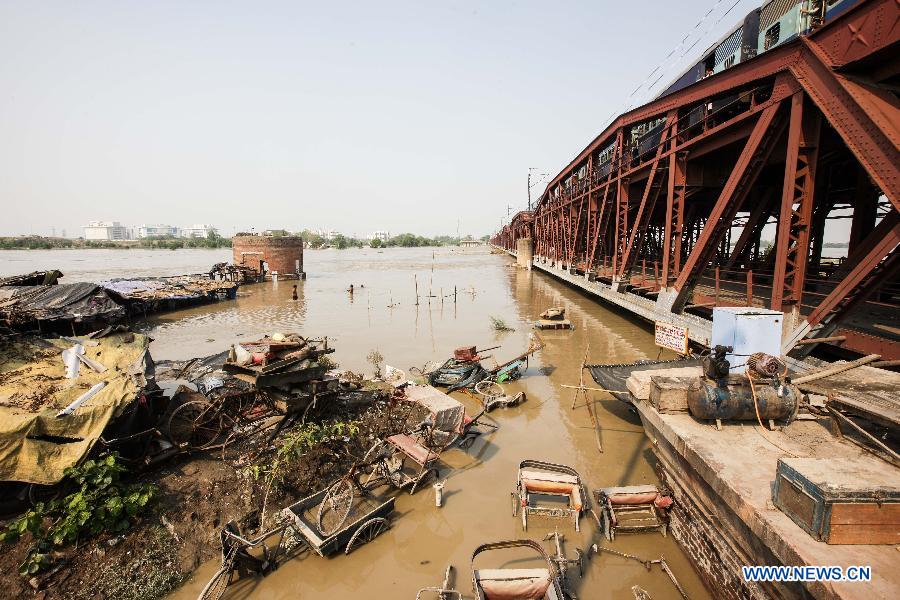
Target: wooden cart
{"x":367,"y":518}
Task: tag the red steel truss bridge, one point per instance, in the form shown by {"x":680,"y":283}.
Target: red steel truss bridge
{"x":673,"y":208}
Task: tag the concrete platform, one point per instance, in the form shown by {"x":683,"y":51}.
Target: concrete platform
{"x":723,"y":483}
{"x":699,"y":329}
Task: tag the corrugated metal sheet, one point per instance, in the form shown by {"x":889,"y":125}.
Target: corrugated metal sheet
{"x":774,"y":10}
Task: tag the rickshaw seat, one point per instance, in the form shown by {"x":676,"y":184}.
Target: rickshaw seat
{"x":553,"y":483}
{"x":513,"y":584}
{"x":413,"y":449}
{"x":632,"y":494}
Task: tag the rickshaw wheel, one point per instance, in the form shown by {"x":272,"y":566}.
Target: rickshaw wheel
{"x":335,"y":507}
{"x":367,"y":532}
{"x":215,"y":589}
{"x":196,"y":424}
{"x":489,"y":389}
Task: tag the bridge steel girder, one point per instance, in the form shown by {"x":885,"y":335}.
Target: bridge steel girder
{"x":790,"y":121}
{"x":748,"y":167}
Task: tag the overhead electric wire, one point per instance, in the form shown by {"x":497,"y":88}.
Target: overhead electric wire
{"x":665,"y":65}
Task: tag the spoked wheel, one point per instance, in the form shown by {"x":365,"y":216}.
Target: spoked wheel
{"x":215,"y":589}
{"x":335,"y":507}
{"x":489,"y":389}
{"x":367,"y":532}
{"x":196,"y":425}
{"x":424,"y":475}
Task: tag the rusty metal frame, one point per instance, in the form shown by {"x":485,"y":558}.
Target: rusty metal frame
{"x":820,"y":88}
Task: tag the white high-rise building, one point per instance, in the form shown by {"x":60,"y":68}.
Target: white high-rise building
{"x":381,"y":235}
{"x":197,"y":231}
{"x":105,"y":230}
{"x":149,"y":231}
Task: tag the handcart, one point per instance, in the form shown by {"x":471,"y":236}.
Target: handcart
{"x":400,"y":461}
{"x":537,"y":479}
{"x":297,"y":527}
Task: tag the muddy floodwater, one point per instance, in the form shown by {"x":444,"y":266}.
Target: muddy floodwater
{"x":382,"y":314}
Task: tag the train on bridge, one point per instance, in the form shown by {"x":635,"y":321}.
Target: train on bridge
{"x":765,"y":175}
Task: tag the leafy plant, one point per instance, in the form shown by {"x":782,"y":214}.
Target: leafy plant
{"x":375,"y":359}
{"x":499,"y":324}
{"x":101,"y":503}
{"x":294,"y":444}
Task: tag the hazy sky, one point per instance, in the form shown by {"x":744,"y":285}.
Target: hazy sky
{"x":399,"y":116}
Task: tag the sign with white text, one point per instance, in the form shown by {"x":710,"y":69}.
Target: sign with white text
{"x":672,"y":337}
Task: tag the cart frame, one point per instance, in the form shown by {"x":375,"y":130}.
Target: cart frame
{"x":522,"y":497}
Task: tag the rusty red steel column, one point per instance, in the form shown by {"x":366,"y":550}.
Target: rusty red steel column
{"x":878,"y":261}
{"x":749,"y":164}
{"x":638,"y":218}
{"x":792,"y":240}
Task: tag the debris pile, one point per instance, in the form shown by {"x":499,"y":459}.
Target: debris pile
{"x":59,"y":396}
{"x":63,"y":308}
{"x":152,"y":294}
{"x":37,"y":302}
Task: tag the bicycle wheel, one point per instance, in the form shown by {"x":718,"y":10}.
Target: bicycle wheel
{"x":195,"y":425}
{"x":215,"y":589}
{"x":335,"y":507}
{"x":489,"y":389}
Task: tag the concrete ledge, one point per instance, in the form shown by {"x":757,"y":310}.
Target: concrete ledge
{"x":728,"y":474}
{"x":699,"y":329}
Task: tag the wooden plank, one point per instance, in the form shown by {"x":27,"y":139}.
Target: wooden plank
{"x":865,"y":514}
{"x":639,"y":381}
{"x":839,"y":368}
{"x":863,"y":534}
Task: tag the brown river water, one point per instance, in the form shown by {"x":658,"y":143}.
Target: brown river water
{"x":383,"y":315}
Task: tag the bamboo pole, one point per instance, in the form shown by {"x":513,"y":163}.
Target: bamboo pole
{"x":836,"y":369}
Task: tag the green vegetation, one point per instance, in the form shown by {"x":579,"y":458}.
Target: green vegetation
{"x":212,"y":240}
{"x":293,"y":446}
{"x":36,"y":242}
{"x":100,"y":504}
{"x":403,"y":240}
{"x":499,"y":324}
{"x":375,"y":358}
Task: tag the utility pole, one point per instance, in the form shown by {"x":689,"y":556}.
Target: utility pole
{"x":530,"y":170}
{"x":529,"y":190}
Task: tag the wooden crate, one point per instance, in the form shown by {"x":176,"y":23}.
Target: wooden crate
{"x":840,"y":500}
{"x":638,"y":383}
{"x":669,"y":394}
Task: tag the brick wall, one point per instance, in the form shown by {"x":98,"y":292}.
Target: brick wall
{"x":281,"y":253}
{"x":718,"y":566}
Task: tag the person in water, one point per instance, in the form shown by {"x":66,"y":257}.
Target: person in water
{"x":351,"y":289}
{"x":294,"y":296}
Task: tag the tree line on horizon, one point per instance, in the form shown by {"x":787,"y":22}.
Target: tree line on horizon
{"x":215,"y":240}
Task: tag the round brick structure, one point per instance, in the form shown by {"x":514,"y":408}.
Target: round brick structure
{"x":263,"y":253}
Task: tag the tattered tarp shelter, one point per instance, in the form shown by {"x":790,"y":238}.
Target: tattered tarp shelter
{"x":34,"y":278}
{"x":31,"y":306}
{"x":36,"y":445}
{"x":185,"y":287}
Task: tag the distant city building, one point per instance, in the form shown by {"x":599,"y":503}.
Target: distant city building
{"x":105,"y":230}
{"x":381,"y":235}
{"x":470,"y":243}
{"x":151,"y":231}
{"x":197,"y":231}
{"x":328,"y":234}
